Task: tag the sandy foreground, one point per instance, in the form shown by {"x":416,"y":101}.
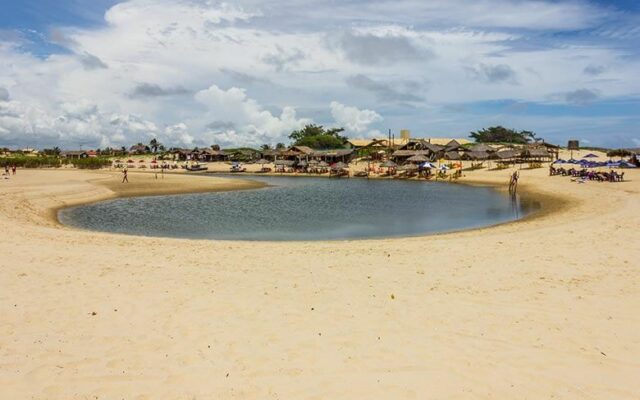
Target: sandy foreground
{"x":543,"y":308}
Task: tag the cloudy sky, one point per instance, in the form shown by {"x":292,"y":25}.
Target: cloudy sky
{"x":98,"y":73}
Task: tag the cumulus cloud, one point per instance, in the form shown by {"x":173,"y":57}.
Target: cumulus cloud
{"x":254,"y":124}
{"x":179,"y":134}
{"x":581,"y":97}
{"x":352,"y":118}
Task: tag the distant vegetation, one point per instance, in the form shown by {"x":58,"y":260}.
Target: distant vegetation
{"x":500,"y":134}
{"x":55,"y":162}
{"x":317,"y":137}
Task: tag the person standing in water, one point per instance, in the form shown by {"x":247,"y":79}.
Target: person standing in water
{"x":124,"y":175}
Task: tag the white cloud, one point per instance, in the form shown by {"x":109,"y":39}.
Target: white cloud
{"x":353,"y":119}
{"x":135,"y":76}
{"x":247,"y":122}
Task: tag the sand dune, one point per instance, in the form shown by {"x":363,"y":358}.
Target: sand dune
{"x":542,"y":308}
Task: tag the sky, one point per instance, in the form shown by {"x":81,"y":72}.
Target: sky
{"x":192,"y":73}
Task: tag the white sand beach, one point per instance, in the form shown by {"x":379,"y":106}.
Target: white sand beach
{"x":545,"y":308}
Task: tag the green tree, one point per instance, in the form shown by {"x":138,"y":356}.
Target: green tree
{"x":265,"y":147}
{"x":154,"y":144}
{"x":500,"y":134}
{"x":280,"y":146}
{"x":317,"y":137}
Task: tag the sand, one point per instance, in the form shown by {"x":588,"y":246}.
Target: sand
{"x":542,"y":308}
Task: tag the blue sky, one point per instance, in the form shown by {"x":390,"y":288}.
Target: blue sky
{"x":196,"y":72}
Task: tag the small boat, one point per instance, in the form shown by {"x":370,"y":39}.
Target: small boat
{"x":235,"y":167}
{"x":196,"y":167}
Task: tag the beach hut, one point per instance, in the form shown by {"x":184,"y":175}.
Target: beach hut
{"x":418,"y":158}
{"x":388,"y":164}
{"x":452,"y":155}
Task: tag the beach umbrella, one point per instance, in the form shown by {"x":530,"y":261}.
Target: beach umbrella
{"x":141,"y":161}
{"x":118,"y":161}
{"x":313,"y":162}
{"x":323,"y":164}
{"x":154,"y":162}
{"x":559,"y":161}
{"x":624,"y":164}
{"x":262,"y":161}
{"x":591,"y":155}
{"x":443,"y":167}
{"x":572,"y":161}
{"x":130,"y":161}
{"x":388,"y":164}
{"x":302,"y":163}
{"x":408,"y":167}
{"x":428,"y":165}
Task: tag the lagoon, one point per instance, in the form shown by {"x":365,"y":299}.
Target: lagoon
{"x":306,"y":208}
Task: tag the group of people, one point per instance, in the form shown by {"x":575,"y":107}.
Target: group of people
{"x":585,"y":174}
{"x":9,"y":170}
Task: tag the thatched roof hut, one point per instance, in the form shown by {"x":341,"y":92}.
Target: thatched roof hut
{"x":482,"y":147}
{"x":388,"y":164}
{"x":286,"y":163}
{"x":508,"y":154}
{"x":476,"y":155}
{"x":417,"y":158}
{"x":452,"y":155}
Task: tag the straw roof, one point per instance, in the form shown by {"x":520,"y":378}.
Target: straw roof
{"x":409,"y":153}
{"x":418,"y":158}
{"x":388,"y":164}
{"x":505,"y":154}
{"x":452,"y":155}
{"x":368,"y":142}
{"x":482,"y":147}
{"x":538,"y":153}
{"x":408,"y":167}
{"x":286,"y":163}
{"x":262,"y":161}
{"x":477,"y":155}
{"x":302,"y":149}
{"x":323,"y":164}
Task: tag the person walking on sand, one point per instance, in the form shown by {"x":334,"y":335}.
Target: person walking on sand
{"x":13,"y":169}
{"x":124,"y":175}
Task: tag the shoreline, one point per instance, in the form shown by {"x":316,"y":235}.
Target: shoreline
{"x":549,"y":204}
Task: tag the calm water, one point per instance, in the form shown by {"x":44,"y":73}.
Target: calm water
{"x":305,"y":209}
